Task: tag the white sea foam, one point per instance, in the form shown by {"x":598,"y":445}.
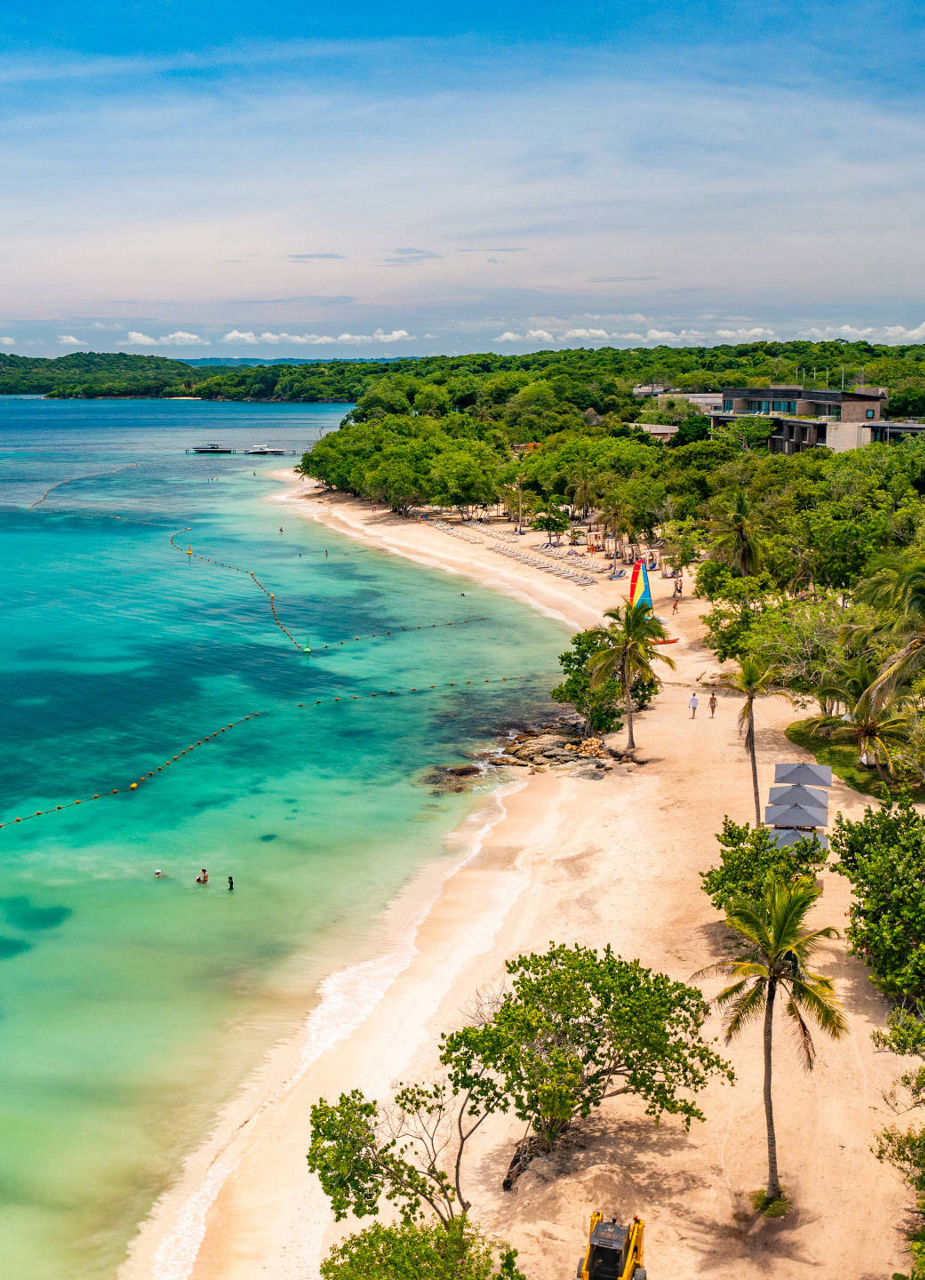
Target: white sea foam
{"x":346,"y":999}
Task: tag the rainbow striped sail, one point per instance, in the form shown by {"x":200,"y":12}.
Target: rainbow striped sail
{"x":640,"y":592}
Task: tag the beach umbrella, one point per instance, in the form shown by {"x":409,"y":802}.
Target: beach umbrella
{"x":795,"y":815}
{"x":810,"y":775}
{"x":784,"y":837}
{"x":796,"y":793}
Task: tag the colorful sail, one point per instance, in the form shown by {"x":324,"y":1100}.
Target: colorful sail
{"x":640,"y":592}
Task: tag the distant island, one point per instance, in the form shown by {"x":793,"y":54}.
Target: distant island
{"x":605,"y":380}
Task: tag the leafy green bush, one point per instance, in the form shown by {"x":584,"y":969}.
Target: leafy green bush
{"x":579,"y":1026}
{"x":883,"y":855}
{"x":749,"y":859}
{"x":416,"y":1250}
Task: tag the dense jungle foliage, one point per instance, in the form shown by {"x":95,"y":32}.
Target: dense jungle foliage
{"x":600,"y":379}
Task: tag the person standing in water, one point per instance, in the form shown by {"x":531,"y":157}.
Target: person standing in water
{"x":231,"y":884}
{"x":203,"y":877}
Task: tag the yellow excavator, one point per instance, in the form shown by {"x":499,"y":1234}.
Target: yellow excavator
{"x":614,"y":1252}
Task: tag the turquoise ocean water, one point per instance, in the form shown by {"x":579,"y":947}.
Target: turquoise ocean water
{"x":131,"y":1006}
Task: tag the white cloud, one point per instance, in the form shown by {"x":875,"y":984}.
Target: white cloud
{"x":586,"y":333}
{"x":898,"y":333}
{"x":180,"y":338}
{"x":378,"y":335}
{"x":7,"y":342}
{"x":539,"y":335}
{"x":745,"y":335}
{"x":507,"y":336}
{"x":249,"y":338}
{"x":68,"y":340}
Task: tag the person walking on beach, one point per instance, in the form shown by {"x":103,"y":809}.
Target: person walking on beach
{"x":674,"y":603}
{"x":712,"y":705}
{"x":694,"y":704}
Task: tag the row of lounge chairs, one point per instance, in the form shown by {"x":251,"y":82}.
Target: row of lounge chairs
{"x":539,"y":562}
{"x":454,"y":531}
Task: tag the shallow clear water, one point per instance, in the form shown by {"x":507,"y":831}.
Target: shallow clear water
{"x":130,"y":1006}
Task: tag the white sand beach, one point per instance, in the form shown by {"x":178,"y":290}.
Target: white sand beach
{"x":566,"y":858}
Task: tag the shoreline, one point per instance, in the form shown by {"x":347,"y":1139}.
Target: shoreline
{"x":170,"y":1238}
{"x":563,"y":859}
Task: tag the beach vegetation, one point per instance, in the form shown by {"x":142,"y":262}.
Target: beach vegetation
{"x":553,"y":523}
{"x":420,"y":1251}
{"x":903,"y":1147}
{"x":750,"y":682}
{"x":577,"y":1026}
{"x":600,"y":706}
{"x":750,"y":860}
{"x":776,"y":948}
{"x":882,"y":854}
{"x":627,"y":650}
{"x":408,"y":1153}
{"x":737,"y":535}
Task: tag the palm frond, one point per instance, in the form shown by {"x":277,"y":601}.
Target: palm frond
{"x":744,"y":1008}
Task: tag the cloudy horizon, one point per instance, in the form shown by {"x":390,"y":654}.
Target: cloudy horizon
{"x":343,"y":192}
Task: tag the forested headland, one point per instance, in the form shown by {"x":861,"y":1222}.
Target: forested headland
{"x":601,"y":379}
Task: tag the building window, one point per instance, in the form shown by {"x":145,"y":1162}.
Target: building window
{"x":785,"y":406}
{"x":870,"y":413}
{"x":727,"y":406}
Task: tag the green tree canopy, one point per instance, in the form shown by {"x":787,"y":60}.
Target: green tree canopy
{"x":883,"y":854}
{"x":420,"y":1251}
{"x":578,"y":1026}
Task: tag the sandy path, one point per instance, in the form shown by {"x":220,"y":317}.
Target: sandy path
{"x":573,"y":859}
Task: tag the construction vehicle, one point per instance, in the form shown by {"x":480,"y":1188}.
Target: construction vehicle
{"x":614,"y":1252}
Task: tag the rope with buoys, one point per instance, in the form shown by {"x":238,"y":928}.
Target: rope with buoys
{"x":94,"y":475}
{"x":339,"y":700}
{"x":234,"y":568}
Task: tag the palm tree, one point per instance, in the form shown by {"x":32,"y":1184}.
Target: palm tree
{"x":873,"y":722}
{"x":581,"y":488}
{"x":628,"y":647}
{"x":737,"y":535}
{"x":777,"y":952}
{"x":899,"y":594}
{"x":752,"y":681}
{"x":613,"y":516}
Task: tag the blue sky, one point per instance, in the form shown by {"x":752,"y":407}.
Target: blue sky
{"x":195,"y":179}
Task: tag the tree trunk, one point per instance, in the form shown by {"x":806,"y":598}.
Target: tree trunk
{"x":628,"y":700}
{"x":754,"y":760}
{"x":773,"y":1192}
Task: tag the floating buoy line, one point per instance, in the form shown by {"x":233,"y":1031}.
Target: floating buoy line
{"x":311,"y":704}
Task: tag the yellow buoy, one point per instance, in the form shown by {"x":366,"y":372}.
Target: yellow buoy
{"x":132,"y":786}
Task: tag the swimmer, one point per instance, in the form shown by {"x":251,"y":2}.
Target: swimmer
{"x":203,"y":877}
{"x":231,"y":884}
{"x":158,"y":874}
